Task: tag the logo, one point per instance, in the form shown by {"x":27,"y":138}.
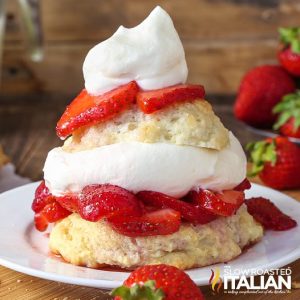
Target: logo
{"x":214,"y":278}
{"x":251,"y":281}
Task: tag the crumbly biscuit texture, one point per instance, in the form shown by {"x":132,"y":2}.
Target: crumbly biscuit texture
{"x":96,"y":244}
{"x":190,"y":123}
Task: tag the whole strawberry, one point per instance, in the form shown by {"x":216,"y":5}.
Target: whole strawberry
{"x":289,"y":53}
{"x":277,"y":162}
{"x":260,"y":90}
{"x":158,"y":282}
{"x":288,"y":110}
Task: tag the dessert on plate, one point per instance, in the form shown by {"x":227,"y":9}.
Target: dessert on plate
{"x":147,"y":174}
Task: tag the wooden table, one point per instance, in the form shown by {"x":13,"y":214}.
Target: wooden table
{"x":27,"y":133}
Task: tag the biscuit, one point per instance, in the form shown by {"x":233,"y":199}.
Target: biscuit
{"x":95,"y":244}
{"x":190,"y":123}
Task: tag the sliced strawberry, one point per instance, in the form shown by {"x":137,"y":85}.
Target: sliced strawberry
{"x":266,"y":213}
{"x":151,"y":101}
{"x":69,"y":202}
{"x":49,"y":214}
{"x":42,"y":197}
{"x":87,"y":109}
{"x":97,"y":201}
{"x":40,"y":222}
{"x":160,"y":222}
{"x":244,"y":185}
{"x":192,"y":213}
{"x":223,"y":204}
{"x":54,"y":212}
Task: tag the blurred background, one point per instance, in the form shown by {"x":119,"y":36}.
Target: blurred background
{"x":222,"y":40}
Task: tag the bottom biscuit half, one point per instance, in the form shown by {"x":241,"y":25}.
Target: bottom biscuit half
{"x":96,"y":244}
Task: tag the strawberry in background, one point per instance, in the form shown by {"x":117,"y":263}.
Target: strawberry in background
{"x":288,"y":110}
{"x":276,"y":161}
{"x":260,"y":90}
{"x":289,"y":54}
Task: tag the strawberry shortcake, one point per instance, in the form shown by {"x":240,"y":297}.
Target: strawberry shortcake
{"x":147,"y":173}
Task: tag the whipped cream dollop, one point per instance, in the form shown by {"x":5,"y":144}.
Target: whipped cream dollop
{"x":167,"y":168}
{"x":150,"y":53}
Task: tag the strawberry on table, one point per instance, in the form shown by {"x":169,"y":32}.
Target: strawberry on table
{"x":151,"y":101}
{"x":104,"y":200}
{"x":159,"y":222}
{"x":289,"y":54}
{"x":288,"y":110}
{"x":260,"y":90}
{"x":192,"y":213}
{"x":266,"y":213}
{"x":158,"y":282}
{"x":87,"y":109}
{"x":276,"y":161}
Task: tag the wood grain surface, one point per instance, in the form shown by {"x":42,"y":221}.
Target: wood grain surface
{"x":27,"y":134}
{"x":222,"y":38}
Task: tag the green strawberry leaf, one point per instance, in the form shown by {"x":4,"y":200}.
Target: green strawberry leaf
{"x":288,"y":108}
{"x":295,"y":46}
{"x":260,"y":153}
{"x":121,"y":291}
{"x":290,"y":36}
{"x":282,"y":119}
{"x":147,"y":291}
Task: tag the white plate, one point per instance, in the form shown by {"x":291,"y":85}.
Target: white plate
{"x":24,"y":249}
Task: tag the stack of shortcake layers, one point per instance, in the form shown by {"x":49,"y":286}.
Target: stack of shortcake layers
{"x":174,"y":150}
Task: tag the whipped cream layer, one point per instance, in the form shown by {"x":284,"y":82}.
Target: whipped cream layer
{"x":167,"y":168}
{"x":150,"y":53}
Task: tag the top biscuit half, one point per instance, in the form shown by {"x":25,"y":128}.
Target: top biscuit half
{"x":188,"y":124}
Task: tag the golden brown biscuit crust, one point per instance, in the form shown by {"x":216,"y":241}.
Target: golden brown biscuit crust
{"x":190,"y":123}
{"x":96,"y":244}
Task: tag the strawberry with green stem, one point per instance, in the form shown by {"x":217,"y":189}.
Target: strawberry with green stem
{"x":288,"y":110}
{"x":158,"y":282}
{"x":289,"y":53}
{"x":260,"y":90}
{"x":276,"y":161}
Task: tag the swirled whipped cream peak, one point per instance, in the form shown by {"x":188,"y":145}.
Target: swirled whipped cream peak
{"x":150,"y":53}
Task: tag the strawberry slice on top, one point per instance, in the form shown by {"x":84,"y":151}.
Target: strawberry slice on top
{"x":151,"y":101}
{"x":87,"y":109}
